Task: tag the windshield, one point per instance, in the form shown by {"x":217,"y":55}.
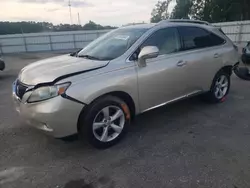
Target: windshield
{"x":112,"y":44}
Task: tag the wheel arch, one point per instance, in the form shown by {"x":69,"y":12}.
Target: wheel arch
{"x":120,"y":94}
{"x":227,"y":69}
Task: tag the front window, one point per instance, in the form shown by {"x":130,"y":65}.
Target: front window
{"x":167,"y":41}
{"x":112,"y":44}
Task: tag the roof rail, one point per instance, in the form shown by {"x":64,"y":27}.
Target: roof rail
{"x":185,"y":21}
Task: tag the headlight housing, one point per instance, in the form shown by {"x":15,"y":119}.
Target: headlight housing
{"x":48,"y":92}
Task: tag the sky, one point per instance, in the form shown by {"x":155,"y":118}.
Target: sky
{"x":104,"y":12}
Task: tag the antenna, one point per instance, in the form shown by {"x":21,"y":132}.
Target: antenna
{"x":79,"y":21}
{"x":70,"y":14}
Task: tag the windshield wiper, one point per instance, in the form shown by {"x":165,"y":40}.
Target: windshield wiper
{"x":89,"y":57}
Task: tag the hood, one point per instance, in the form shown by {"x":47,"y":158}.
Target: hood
{"x":49,"y":70}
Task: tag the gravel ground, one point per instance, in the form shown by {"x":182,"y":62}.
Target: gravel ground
{"x":188,"y":144}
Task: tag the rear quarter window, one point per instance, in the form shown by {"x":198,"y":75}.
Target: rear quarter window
{"x":195,"y":38}
{"x":216,"y":40}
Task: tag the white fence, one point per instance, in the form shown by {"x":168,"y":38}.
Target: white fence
{"x":238,"y":32}
{"x":54,"y":41}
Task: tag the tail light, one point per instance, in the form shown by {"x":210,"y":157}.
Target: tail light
{"x":243,"y":50}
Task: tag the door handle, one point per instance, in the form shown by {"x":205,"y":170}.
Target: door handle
{"x":181,"y":63}
{"x":216,"y":55}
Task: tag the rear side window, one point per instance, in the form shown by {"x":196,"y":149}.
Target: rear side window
{"x":216,"y":40}
{"x":195,"y":38}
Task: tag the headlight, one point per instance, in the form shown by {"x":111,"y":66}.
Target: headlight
{"x":48,"y":92}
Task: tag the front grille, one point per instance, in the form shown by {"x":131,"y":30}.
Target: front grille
{"x":20,"y":89}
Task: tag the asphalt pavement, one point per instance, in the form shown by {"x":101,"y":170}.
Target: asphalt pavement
{"x":188,"y":144}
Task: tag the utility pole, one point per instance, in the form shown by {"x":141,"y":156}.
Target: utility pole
{"x":70,"y":14}
{"x":79,"y":21}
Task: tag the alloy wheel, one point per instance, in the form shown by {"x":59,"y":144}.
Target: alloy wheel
{"x":221,"y":87}
{"x":108,"y":123}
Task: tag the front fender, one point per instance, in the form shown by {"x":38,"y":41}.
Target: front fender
{"x":89,"y":89}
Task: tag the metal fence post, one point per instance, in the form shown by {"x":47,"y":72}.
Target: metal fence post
{"x":240,"y":33}
{"x":25,"y":43}
{"x":1,"y":49}
{"x":74,"y":40}
{"x":50,"y":43}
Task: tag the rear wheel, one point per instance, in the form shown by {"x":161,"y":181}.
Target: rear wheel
{"x":220,"y":88}
{"x":105,"y":122}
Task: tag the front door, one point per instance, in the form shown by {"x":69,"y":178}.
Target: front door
{"x":164,"y":78}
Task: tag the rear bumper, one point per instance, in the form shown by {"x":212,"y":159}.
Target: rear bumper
{"x":246,"y":58}
{"x":2,"y":65}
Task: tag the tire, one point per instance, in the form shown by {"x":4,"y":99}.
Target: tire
{"x":100,"y":125}
{"x":219,"y":88}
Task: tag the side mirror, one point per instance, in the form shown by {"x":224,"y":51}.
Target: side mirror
{"x":148,"y":52}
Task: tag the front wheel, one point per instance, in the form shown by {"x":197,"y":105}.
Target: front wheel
{"x":220,"y":88}
{"x":105,"y":122}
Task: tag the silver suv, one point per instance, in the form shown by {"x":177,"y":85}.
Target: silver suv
{"x":96,"y":92}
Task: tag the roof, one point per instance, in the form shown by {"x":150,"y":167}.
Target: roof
{"x":142,"y":26}
{"x":172,"y":22}
{"x":184,"y":21}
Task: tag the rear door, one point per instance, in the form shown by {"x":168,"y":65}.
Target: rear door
{"x":202,"y":54}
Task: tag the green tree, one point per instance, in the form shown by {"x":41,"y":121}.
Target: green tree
{"x":36,"y":27}
{"x":231,"y":10}
{"x":245,"y":9}
{"x":160,"y":12}
{"x":221,"y":10}
{"x":212,"y":10}
{"x":92,"y":26}
{"x":182,"y":9}
{"x":197,"y":10}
